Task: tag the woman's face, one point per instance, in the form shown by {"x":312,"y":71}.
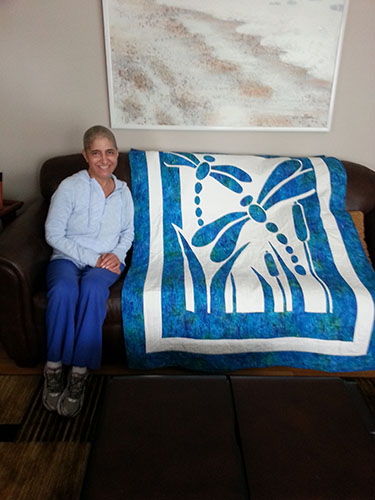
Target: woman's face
{"x":102,"y":158}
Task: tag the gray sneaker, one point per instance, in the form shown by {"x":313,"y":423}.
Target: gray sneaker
{"x":53,"y":387}
{"x":71,"y":400}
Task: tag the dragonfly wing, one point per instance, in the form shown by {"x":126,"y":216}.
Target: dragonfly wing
{"x":208,"y":233}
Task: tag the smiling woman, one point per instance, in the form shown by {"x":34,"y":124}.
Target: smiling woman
{"x":90,"y":229}
{"x":102,"y":160}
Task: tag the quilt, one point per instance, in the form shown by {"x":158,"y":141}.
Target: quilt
{"x":245,"y":261}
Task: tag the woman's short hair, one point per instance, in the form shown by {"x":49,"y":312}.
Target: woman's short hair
{"x":98,"y":131}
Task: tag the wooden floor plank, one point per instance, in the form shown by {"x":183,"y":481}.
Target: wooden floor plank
{"x":16,"y":394}
{"x":31,"y":471}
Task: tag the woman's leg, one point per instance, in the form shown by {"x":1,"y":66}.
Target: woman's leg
{"x":62,"y":292}
{"x":91,"y":312}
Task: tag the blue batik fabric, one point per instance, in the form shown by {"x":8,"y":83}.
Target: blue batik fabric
{"x":245,"y":261}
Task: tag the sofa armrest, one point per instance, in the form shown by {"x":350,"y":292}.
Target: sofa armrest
{"x":370,"y":235}
{"x":360,"y":196}
{"x":24,"y":255}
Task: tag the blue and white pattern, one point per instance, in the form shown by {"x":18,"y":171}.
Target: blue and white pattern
{"x":245,"y":261}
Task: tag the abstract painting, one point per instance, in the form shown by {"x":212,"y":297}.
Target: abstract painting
{"x":243,"y":64}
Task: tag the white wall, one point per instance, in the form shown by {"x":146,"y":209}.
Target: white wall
{"x":53,"y":87}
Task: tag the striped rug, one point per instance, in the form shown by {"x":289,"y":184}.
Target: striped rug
{"x":43,"y":455}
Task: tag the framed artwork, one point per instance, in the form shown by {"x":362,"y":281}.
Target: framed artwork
{"x":214,"y":64}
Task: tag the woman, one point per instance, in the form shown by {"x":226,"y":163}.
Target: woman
{"x":90,"y":229}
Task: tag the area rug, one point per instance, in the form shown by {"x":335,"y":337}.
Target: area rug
{"x":43,"y":455}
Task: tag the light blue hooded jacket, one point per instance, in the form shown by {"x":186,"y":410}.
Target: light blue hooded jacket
{"x":82,"y":223}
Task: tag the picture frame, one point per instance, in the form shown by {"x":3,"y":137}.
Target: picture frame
{"x":215,"y":65}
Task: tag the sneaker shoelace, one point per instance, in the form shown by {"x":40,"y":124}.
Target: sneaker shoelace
{"x":54,"y":380}
{"x":76,"y":386}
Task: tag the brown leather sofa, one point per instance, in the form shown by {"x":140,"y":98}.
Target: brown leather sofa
{"x":24,"y":255}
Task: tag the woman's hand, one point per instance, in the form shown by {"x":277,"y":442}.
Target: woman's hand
{"x":109,"y":261}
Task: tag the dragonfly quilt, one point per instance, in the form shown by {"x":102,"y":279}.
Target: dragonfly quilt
{"x":245,"y":261}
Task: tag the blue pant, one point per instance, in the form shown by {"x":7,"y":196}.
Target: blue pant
{"x":77,"y":306}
